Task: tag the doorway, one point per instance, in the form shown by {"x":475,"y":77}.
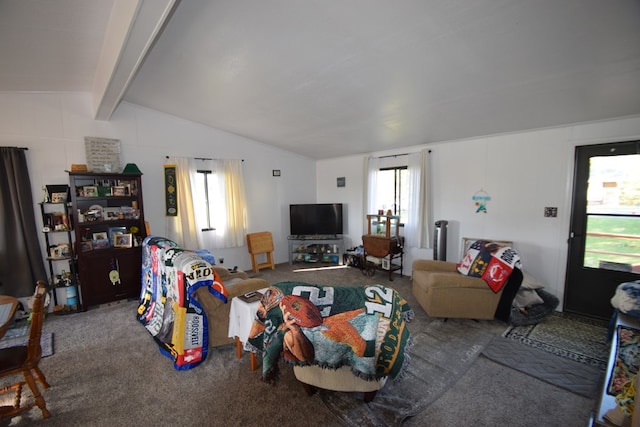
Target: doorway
{"x":604,"y":239}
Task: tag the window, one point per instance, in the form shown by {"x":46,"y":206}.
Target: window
{"x":393,"y":191}
{"x":204,"y":195}
{"x":219,"y":202}
{"x":398,"y":183}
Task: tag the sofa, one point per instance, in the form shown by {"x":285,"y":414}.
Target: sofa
{"x":444,"y":292}
{"x":217,"y":311}
{"x":184,"y":300}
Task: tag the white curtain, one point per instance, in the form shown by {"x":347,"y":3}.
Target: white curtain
{"x":226,"y":226}
{"x":182,"y":229}
{"x":370,"y":205}
{"x":416,"y":228}
{"x":236,"y":228}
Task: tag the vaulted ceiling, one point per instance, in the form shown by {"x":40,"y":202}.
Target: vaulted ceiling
{"x":333,"y":78}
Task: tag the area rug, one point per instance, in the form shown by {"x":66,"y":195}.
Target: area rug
{"x":564,"y":350}
{"x":578,"y":338}
{"x":441,"y":353}
{"x":18,"y":334}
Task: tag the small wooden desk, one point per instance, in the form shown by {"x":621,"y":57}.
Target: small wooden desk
{"x":4,"y":323}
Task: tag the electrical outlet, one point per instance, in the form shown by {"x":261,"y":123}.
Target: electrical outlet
{"x":550,"y":212}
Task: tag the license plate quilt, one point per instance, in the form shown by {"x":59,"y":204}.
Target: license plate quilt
{"x":168,"y":309}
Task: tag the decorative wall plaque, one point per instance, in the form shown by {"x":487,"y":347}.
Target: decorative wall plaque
{"x":103,"y":154}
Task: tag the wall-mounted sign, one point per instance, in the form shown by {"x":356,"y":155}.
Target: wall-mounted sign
{"x":103,"y":154}
{"x":170,"y":190}
{"x":480,"y":200}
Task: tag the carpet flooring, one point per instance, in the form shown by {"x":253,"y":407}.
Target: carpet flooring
{"x":441,"y":353}
{"x":107,"y":371}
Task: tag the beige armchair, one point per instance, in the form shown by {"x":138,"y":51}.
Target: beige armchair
{"x":443,"y":292}
{"x":217,"y":311}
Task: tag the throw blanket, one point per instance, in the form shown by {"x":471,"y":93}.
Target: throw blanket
{"x":168,"y":309}
{"x":491,"y":261}
{"x":362,"y":327}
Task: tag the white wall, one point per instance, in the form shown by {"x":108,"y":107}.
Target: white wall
{"x":522,"y":172}
{"x":53,"y":127}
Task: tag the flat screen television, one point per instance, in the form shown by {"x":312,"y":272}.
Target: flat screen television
{"x":316,"y":219}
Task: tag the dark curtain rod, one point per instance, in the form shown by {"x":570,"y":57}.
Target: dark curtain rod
{"x":397,"y":155}
{"x":203,"y":158}
{"x":19,"y":148}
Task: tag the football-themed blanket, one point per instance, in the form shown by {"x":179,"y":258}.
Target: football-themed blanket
{"x":168,"y":309}
{"x":362,"y":327}
{"x":491,"y":261}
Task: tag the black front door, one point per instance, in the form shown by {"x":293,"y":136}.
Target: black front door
{"x":604,"y":240}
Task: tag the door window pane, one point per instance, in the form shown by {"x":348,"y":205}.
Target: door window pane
{"x":613,"y":213}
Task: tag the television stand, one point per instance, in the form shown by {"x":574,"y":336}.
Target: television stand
{"x":321,"y":249}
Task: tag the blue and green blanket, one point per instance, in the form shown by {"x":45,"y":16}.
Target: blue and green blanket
{"x":363,"y":327}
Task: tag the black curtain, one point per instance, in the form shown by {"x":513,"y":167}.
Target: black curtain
{"x":21,"y":262}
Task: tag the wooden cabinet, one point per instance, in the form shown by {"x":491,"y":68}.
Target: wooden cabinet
{"x":383,"y":225}
{"x":383,"y":245}
{"x":109,"y":232}
{"x":110,"y":274}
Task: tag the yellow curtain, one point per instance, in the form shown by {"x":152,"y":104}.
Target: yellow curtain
{"x":182,"y":229}
{"x":235,"y":204}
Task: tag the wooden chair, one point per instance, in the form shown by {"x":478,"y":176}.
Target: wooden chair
{"x":25,"y":359}
{"x":261,"y":243}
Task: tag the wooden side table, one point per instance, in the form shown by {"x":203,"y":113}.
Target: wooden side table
{"x":241,"y":317}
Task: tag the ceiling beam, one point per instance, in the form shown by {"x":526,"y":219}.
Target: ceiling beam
{"x":133,"y":27}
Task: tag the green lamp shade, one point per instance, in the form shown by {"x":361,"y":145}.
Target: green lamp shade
{"x":131,"y":168}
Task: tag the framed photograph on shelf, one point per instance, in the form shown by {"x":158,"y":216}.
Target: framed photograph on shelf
{"x":90,"y":191}
{"x":100,"y":243}
{"x":118,"y":191}
{"x":116,"y":231}
{"x":59,"y":191}
{"x":59,"y":197}
{"x":86,"y":246}
{"x":110,"y":214}
{"x":123,"y":241}
{"x":100,"y":236}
